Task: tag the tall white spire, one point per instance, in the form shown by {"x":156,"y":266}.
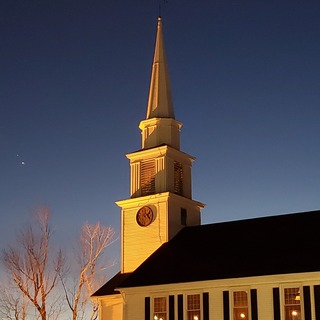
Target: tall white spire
{"x":160,"y":127}
{"x":160,"y":103}
{"x":160,"y":202}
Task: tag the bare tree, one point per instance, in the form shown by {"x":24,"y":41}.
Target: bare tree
{"x":13,"y":305}
{"x":94,"y":240}
{"x":33,"y":267}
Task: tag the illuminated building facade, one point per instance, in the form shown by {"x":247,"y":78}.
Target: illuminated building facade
{"x":174,"y":268}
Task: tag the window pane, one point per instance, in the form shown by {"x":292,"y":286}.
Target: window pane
{"x":160,"y":316}
{"x":240,"y":313}
{"x":160,"y":308}
{"x":193,"y":315}
{"x":240,"y":305}
{"x":292,"y":307}
{"x":240,"y":299}
{"x":291,"y":296}
{"x":193,"y":307}
{"x":292,"y":313}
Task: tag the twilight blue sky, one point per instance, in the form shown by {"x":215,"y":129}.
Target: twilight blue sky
{"x":74,"y":78}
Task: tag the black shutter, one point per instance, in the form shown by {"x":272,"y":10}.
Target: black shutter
{"x":147,"y":308}
{"x":254,"y":304}
{"x":205,"y":301}
{"x":316,"y":290}
{"x":171,"y":307}
{"x":276,"y":304}
{"x":226,"y":306}
{"x":307,"y":303}
{"x":147,"y":177}
{"x":180,"y":307}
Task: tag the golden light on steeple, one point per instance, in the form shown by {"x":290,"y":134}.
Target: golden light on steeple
{"x":160,"y":127}
{"x":160,"y":202}
{"x":160,"y":103}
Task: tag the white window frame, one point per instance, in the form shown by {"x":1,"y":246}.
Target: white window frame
{"x":186,"y":304}
{"x":153,"y":316}
{"x":282,"y":299}
{"x":247,"y":290}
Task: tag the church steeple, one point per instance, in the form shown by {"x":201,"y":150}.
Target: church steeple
{"x":160,"y":127}
{"x":160,"y":202}
{"x":160,"y":103}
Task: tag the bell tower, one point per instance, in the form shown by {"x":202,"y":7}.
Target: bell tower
{"x":160,"y":203}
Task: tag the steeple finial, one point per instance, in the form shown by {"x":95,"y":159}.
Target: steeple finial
{"x":160,"y":103}
{"x":160,"y":6}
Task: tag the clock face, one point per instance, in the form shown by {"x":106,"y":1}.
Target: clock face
{"x":144,"y":216}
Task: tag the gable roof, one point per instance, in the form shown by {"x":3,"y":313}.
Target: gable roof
{"x":262,"y":246}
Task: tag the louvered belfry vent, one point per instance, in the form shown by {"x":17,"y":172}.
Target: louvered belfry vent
{"x":147,"y":177}
{"x":178,"y":178}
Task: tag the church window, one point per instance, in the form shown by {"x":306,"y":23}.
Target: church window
{"x":147,"y":177}
{"x":292,"y":308}
{"x":240,"y":305}
{"x":160,"y":308}
{"x":193,"y":307}
{"x":178,"y":178}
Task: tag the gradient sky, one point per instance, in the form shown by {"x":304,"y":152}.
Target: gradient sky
{"x":74,"y":78}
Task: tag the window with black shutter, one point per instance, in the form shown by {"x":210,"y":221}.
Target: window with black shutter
{"x":226,"y":306}
{"x":147,"y":308}
{"x":254,"y":304}
{"x":316,"y":291}
{"x":276,"y":303}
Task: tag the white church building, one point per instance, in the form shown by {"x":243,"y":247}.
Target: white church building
{"x":174,"y":268}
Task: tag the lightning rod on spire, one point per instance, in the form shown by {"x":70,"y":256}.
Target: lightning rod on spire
{"x":160,"y":6}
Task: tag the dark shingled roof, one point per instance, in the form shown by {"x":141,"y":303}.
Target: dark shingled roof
{"x":255,"y":247}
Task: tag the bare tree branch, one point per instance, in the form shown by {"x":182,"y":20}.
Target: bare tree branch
{"x":94,"y":240}
{"x":31,"y":264}
{"x":12,"y":306}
